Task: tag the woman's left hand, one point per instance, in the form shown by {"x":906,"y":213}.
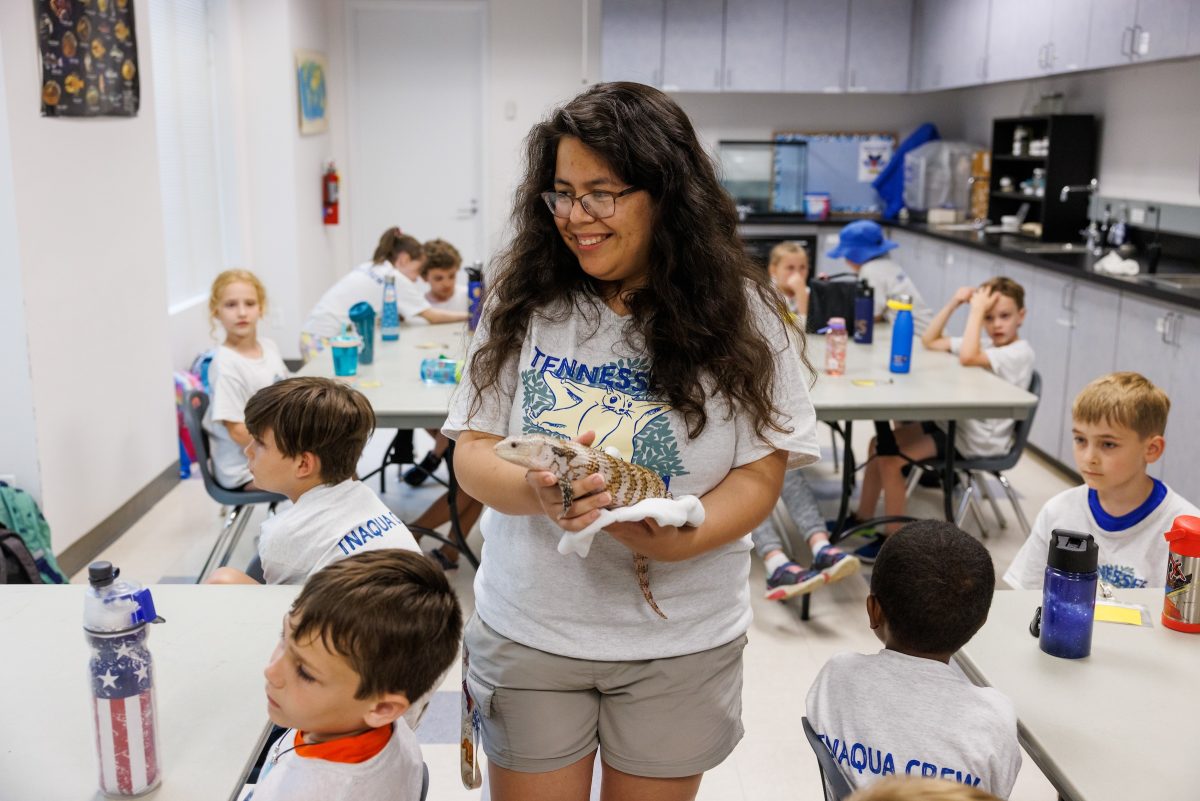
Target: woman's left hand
{"x":660,"y":543}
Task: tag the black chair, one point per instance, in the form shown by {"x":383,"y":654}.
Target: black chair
{"x":240,"y":502}
{"x":996,"y":465}
{"x":833,"y":783}
{"x":399,"y":452}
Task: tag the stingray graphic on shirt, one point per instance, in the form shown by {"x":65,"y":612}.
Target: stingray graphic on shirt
{"x":565,"y":397}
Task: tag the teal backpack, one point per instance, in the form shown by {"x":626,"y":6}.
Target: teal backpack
{"x":19,"y":512}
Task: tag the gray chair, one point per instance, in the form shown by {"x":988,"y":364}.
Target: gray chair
{"x":996,"y":465}
{"x":833,"y":783}
{"x":238,"y":501}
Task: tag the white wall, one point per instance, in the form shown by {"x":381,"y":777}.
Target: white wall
{"x":89,"y":246}
{"x":18,"y":443}
{"x":1149,"y":119}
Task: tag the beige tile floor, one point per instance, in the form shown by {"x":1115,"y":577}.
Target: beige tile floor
{"x":773,"y":761}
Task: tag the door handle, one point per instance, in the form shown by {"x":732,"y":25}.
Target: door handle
{"x":1129,"y":51}
{"x":1042,"y":57}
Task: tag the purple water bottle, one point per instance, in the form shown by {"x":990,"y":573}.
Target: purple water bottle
{"x":115,"y":619}
{"x":1069,"y":594}
{"x":475,"y":292}
{"x":864,"y":313}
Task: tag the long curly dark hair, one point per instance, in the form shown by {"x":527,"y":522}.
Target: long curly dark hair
{"x":693,"y":315}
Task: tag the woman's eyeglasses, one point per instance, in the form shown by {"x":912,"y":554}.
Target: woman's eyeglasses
{"x":598,"y":205}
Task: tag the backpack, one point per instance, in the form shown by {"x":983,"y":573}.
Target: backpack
{"x":200,"y":367}
{"x":19,"y":513}
{"x":828,"y":298}
{"x":16,"y":563}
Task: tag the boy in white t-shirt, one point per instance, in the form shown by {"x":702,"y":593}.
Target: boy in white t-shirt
{"x":308,"y":434}
{"x":906,"y":710}
{"x":997,"y":306}
{"x":365,"y":637}
{"x":865,"y":249}
{"x":440,"y":273}
{"x":1118,"y":425}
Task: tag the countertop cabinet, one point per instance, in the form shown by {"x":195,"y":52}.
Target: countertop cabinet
{"x":1090,"y":313}
{"x":1183,"y":426}
{"x":1111,"y":31}
{"x":1145,"y":346}
{"x":754,"y":36}
{"x":815,"y":50}
{"x":880,"y":46}
{"x":1123,"y":31}
{"x":1067,"y":49}
{"x":693,"y":41}
{"x":631,"y":41}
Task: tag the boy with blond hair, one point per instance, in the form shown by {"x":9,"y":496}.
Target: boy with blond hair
{"x":307,"y":435}
{"x":366,"y":637}
{"x":1118,"y":425}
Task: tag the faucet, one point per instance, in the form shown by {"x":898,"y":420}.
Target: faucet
{"x":1091,"y":187}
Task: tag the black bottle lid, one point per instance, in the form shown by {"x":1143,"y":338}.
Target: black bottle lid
{"x":1073,"y":552}
{"x":101,"y":574}
{"x":864,"y":290}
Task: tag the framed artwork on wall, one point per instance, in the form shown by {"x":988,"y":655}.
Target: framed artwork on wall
{"x":311,"y":68}
{"x":88,"y":54}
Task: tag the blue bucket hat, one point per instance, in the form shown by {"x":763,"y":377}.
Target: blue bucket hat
{"x":861,"y":241}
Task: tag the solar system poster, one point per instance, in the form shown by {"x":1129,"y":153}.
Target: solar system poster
{"x":88,"y":52}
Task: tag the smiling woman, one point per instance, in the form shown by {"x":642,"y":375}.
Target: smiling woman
{"x":624,"y":314}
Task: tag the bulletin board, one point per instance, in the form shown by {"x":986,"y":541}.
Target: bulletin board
{"x":844,"y":164}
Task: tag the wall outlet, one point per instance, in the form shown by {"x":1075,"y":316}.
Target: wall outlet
{"x":1137,"y":216}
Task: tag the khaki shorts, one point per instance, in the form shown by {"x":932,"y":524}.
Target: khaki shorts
{"x":659,"y":718}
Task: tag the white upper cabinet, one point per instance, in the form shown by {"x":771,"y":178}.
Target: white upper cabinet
{"x":950,"y":49}
{"x":880,"y":45}
{"x":814,"y":58}
{"x":1111,"y":32}
{"x":631,"y":41}
{"x":754,"y":36}
{"x":1019,"y":39}
{"x":1068,"y":35}
{"x":1161,"y":30}
{"x":1193,"y":43}
{"x":693,"y":45}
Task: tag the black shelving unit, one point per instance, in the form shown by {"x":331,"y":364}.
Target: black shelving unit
{"x":1070,"y":161}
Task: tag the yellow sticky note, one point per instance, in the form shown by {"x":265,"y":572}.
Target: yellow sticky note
{"x":431,"y":345}
{"x":863,"y":382}
{"x":1114,"y":613}
{"x":369,"y":384}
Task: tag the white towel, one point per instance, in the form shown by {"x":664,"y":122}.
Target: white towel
{"x":685,"y":511}
{"x":1113,"y":264}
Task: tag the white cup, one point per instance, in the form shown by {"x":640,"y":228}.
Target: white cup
{"x":1010,"y":222}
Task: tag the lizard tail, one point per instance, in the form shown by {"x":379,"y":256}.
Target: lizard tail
{"x":641,"y":567}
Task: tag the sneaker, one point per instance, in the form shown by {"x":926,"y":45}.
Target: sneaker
{"x":415,"y":476}
{"x":836,"y":565}
{"x":441,"y":558}
{"x":867,"y":553}
{"x":790,"y":580}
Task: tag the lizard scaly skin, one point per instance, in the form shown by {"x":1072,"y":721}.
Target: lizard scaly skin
{"x":569,"y":462}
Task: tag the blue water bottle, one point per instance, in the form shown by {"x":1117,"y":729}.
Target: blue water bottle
{"x":1069,"y":595}
{"x":389,"y":325}
{"x":902,"y":334}
{"x":864,"y":313}
{"x":475,"y":292}
{"x":363,"y":317}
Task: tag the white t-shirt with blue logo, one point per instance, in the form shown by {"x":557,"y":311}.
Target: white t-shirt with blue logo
{"x":327,"y":523}
{"x":1133,"y":551}
{"x":234,"y":379}
{"x":892,"y":714}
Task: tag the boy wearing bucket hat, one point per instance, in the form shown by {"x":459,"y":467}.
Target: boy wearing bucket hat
{"x":865,"y":249}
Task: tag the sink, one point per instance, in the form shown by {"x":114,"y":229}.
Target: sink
{"x":1172,"y":280}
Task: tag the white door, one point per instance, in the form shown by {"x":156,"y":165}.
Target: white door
{"x":416,"y":123}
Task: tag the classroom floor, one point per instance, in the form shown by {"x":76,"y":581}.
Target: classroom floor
{"x":170,"y":543}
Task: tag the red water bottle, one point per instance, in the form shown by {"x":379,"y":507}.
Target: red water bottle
{"x":1181,"y":605}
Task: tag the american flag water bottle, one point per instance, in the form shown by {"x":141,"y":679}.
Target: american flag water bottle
{"x":115,"y":618}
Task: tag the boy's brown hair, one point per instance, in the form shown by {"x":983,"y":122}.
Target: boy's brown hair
{"x":314,"y":415}
{"x":1128,"y":400}
{"x":911,"y":788}
{"x":440,"y":255}
{"x":391,"y":613}
{"x":1004,"y":285}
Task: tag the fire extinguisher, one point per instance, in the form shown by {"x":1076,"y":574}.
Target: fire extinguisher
{"x":329,"y":194}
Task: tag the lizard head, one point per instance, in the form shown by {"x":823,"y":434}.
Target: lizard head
{"x":532,"y":451}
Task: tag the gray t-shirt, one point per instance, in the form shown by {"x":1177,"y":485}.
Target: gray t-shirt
{"x":579,"y":375}
{"x":890,"y":713}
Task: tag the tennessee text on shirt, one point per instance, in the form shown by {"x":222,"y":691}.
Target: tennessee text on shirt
{"x":865,"y":759}
{"x":623,"y":379}
{"x":358,"y":536}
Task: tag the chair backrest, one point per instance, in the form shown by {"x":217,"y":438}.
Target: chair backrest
{"x":1020,"y":438}
{"x":195,"y":404}
{"x":834,"y":784}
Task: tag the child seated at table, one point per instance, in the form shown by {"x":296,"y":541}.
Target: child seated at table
{"x":308,"y":434}
{"x":242,"y":365}
{"x":1118,"y":422}
{"x":440,"y":272}
{"x":865,"y":249}
{"x":364,"y":637}
{"x":906,"y":709}
{"x":997,"y":306}
{"x":785,"y":578}
{"x":789,"y":269}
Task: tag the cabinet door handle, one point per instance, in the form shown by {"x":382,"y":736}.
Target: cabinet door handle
{"x":1177,"y":329}
{"x":1042,"y":56}
{"x":1163,"y":325}
{"x":1127,"y":51}
{"x":1139,"y":45}
{"x":853,"y":75}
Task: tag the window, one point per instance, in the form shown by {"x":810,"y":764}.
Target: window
{"x":186,"y":118}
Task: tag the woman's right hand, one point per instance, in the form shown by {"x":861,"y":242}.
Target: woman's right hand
{"x":583,"y":511}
